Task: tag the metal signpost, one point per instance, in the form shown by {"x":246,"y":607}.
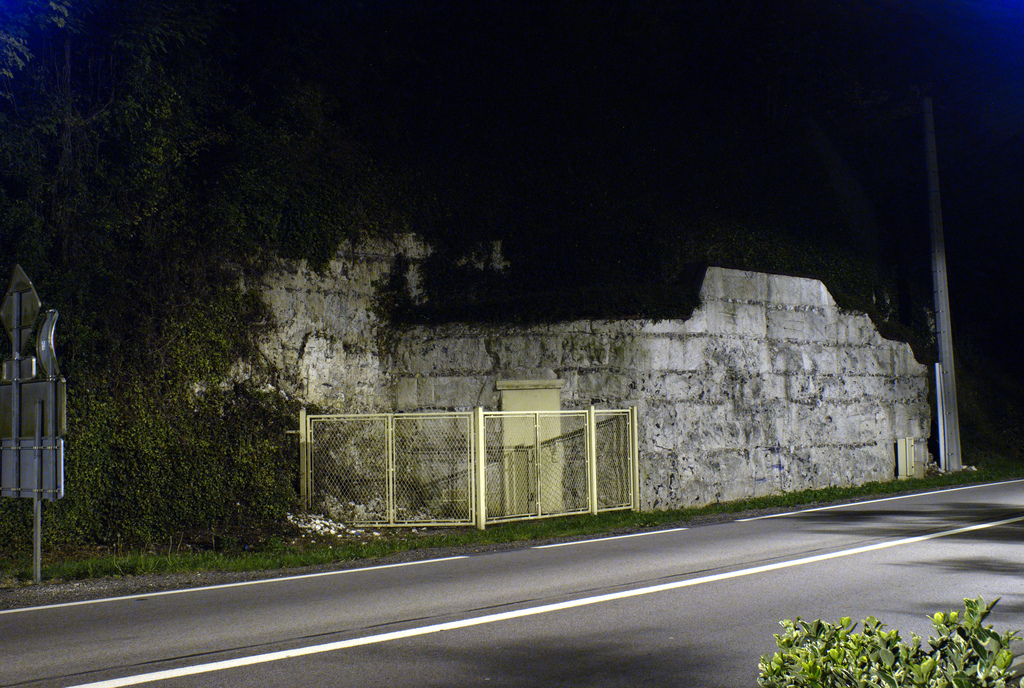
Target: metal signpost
{"x":32,"y":409}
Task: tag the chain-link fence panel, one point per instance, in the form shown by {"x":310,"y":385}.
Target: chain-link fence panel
{"x":563,"y":464}
{"x":433,"y":468}
{"x":349,"y":464}
{"x":511,"y":466}
{"x":614,"y":450}
{"x":386,"y":469}
{"x":536,"y":464}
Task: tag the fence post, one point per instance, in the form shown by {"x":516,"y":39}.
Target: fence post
{"x":591,"y":445}
{"x":538,"y":467}
{"x":480,"y":449}
{"x":389,"y":462}
{"x":305,"y":476}
{"x":634,"y":458}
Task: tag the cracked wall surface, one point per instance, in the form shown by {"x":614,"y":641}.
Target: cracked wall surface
{"x":768,"y":387}
{"x":325,"y":347}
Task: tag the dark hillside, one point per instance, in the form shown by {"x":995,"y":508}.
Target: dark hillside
{"x":153,"y":153}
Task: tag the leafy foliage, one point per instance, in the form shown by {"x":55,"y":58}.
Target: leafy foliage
{"x":151,"y":162}
{"x":964,"y":653}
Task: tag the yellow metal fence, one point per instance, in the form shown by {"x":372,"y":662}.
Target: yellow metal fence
{"x":468,"y":468}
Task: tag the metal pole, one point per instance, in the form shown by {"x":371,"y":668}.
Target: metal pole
{"x":37,"y":539}
{"x":634,"y":459}
{"x":941,"y":419}
{"x":946,"y":402}
{"x":16,"y":394}
{"x":538,"y":485}
{"x":389,"y":431}
{"x":37,"y":501}
{"x":591,"y":443}
{"x":481,"y":468}
{"x":304,"y":491}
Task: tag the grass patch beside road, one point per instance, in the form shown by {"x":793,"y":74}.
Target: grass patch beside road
{"x":299,"y":549}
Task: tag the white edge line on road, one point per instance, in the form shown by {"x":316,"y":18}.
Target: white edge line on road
{"x":519,"y":613}
{"x":428,"y":561}
{"x":221,"y":586}
{"x":874,"y":501}
{"x":261,"y":581}
{"x":591,"y":541}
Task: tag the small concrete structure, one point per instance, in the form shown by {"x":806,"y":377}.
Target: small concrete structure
{"x":533,"y":396}
{"x":530,"y":395}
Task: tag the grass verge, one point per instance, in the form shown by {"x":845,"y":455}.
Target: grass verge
{"x":303,"y":549}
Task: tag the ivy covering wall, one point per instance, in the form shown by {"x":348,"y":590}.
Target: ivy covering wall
{"x":151,"y":161}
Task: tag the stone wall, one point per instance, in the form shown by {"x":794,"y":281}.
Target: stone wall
{"x":325,"y":347}
{"x":768,"y":387}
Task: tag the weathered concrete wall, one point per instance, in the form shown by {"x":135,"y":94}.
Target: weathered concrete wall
{"x":326,"y":343}
{"x":768,"y":387}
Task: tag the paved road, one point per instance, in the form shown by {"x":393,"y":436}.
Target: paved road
{"x":692,"y":607}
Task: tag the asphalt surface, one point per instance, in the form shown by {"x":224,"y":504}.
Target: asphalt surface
{"x":680,"y":607}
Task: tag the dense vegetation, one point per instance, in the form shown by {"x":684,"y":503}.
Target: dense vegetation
{"x":157,"y":155}
{"x":151,"y":162}
{"x":963,"y":652}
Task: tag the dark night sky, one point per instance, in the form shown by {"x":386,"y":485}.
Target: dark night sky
{"x":576,"y":130}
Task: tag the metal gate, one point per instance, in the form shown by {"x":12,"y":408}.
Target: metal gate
{"x":469,"y":468}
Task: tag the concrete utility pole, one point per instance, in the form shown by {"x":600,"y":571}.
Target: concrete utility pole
{"x":945,"y":393}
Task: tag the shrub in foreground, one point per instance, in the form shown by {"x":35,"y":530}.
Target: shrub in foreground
{"x":962,"y":654}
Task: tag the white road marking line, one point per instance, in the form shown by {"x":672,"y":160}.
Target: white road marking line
{"x":221,"y":586}
{"x":428,"y":561}
{"x":519,"y":613}
{"x":874,"y":501}
{"x":599,"y":539}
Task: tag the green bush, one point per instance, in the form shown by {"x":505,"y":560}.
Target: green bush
{"x":962,"y":654}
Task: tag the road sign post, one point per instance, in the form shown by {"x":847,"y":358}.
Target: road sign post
{"x":32,"y":410}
